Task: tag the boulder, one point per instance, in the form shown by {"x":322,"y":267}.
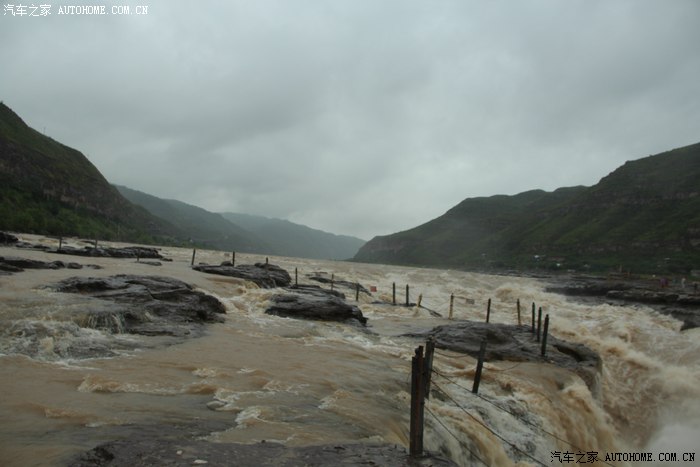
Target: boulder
{"x":314,"y":303}
{"x":108,"y":252}
{"x":6,"y":238}
{"x":518,"y":344}
{"x":14,"y":264}
{"x":140,"y":450}
{"x":266,"y":276}
{"x":146,"y":305}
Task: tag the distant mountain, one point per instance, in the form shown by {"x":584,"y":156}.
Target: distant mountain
{"x":244,"y":232}
{"x":289,"y":239}
{"x":644,"y":216}
{"x":49,"y":188}
{"x":199,"y":225}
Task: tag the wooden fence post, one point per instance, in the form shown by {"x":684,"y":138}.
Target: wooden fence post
{"x":393,"y":293}
{"x":233,"y":258}
{"x":332,"y":280}
{"x":452,"y":303}
{"x":488,"y":311}
{"x":518,"y":306}
{"x":406,"y":294}
{"x":533,"y":317}
{"x":544,"y":335}
{"x":60,"y":243}
{"x":417,"y":404}
{"x":296,"y":276}
{"x":194,"y":252}
{"x":357,"y":291}
{"x":428,"y":367}
{"x":479,"y":367}
{"x":539,"y":323}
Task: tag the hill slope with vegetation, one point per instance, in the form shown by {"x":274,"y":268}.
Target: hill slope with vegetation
{"x":644,"y":216}
{"x":49,"y":188}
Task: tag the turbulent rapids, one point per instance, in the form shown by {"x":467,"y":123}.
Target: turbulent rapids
{"x":75,"y":375}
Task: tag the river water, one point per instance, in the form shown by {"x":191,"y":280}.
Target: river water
{"x":257,"y":377}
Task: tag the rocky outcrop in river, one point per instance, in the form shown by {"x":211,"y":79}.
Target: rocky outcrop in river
{"x":146,"y":305}
{"x":683,"y":303}
{"x":518,"y":344}
{"x":314,"y":303}
{"x":266,"y":276}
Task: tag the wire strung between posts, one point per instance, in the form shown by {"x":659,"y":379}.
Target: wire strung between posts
{"x":527,"y":422}
{"x":455,"y":436}
{"x":488,"y":428}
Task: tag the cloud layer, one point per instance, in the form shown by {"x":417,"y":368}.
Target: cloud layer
{"x":359,"y":117}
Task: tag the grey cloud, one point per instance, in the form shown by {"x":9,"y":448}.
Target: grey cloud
{"x":359,"y":117}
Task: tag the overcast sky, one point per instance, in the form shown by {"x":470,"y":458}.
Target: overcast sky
{"x":359,"y":117}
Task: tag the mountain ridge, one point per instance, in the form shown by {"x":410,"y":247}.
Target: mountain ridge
{"x":644,"y":215}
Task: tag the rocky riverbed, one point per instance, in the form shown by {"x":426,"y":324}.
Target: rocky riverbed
{"x":681,"y":302}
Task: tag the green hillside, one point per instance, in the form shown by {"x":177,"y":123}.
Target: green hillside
{"x":49,"y":188}
{"x":644,"y":216}
{"x":204,"y":228}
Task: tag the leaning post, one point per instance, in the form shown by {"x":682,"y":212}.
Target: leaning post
{"x":479,"y":367}
{"x":194,"y":252}
{"x":452,"y":303}
{"x":544,"y":335}
{"x":417,"y":404}
{"x":488,"y":311}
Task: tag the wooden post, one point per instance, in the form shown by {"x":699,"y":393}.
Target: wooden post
{"x":518,"y":305}
{"x":479,"y":367}
{"x":233,"y":258}
{"x":428,"y":368}
{"x":194,"y":251}
{"x":357,"y":291}
{"x":452,"y":303}
{"x":332,"y":280}
{"x":60,"y":243}
{"x":393,"y":293}
{"x":267,"y":262}
{"x":406,"y":294}
{"x":539,"y":323}
{"x":296,"y":276}
{"x":417,"y":404}
{"x":533,"y":317}
{"x":488,"y":311}
{"x":544,"y":335}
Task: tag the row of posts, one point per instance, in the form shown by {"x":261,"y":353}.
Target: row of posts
{"x":540,"y":333}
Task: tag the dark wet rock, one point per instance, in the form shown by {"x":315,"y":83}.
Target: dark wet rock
{"x":265,"y":275}
{"x":139,"y":450}
{"x":6,"y":238}
{"x":32,"y":246}
{"x":324,"y":279}
{"x":108,"y":252}
{"x":146,"y":305}
{"x":150,"y":263}
{"x":673,"y":301}
{"x":314,"y":303}
{"x":516,"y":343}
{"x":14,"y":264}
